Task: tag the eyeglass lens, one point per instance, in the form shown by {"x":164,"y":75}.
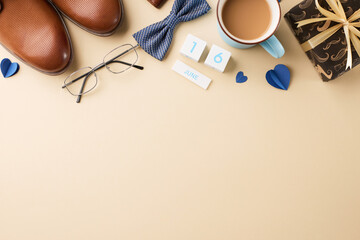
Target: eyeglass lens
{"x":121,"y":59}
{"x":78,"y":87}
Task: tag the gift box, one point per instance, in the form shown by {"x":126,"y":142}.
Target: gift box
{"x":329,"y":55}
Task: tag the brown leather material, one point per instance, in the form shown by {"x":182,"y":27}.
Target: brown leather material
{"x":34,"y":32}
{"x":100,"y":17}
{"x":156,"y":3}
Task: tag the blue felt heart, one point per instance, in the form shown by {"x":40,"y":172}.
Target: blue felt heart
{"x":241,"y":78}
{"x":8,"y":68}
{"x":279,"y":77}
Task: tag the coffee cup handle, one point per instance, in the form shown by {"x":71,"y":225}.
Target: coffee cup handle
{"x":274,"y":47}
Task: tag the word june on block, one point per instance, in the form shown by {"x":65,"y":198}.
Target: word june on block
{"x":191,"y":74}
{"x":218,"y":58}
{"x":193,"y":47}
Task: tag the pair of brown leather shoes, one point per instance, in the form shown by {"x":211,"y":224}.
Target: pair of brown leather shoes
{"x":34,"y":31}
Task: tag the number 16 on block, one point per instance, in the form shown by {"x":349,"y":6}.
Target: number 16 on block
{"x":218,"y":58}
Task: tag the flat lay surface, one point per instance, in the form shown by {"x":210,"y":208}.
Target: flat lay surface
{"x":149,"y":155}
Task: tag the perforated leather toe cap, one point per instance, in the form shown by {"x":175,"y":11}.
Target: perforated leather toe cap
{"x":34,"y":32}
{"x":100,"y":17}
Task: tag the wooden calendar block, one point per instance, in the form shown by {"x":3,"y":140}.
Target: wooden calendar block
{"x":218,"y":58}
{"x":193,"y":47}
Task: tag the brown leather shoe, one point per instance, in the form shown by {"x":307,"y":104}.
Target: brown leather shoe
{"x":34,"y":32}
{"x":100,"y":17}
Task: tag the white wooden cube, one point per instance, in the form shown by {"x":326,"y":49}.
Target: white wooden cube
{"x":193,"y":47}
{"x":218,"y":58}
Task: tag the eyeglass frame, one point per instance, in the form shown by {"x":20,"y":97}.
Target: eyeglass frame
{"x":100,"y":66}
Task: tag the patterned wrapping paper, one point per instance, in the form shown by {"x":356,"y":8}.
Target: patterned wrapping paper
{"x":330,"y":57}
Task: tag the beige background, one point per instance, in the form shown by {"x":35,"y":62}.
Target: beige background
{"x":151,"y":156}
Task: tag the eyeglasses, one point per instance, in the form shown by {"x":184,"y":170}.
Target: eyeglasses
{"x":111,"y":62}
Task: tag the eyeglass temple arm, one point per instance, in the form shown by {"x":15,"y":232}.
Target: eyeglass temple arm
{"x":78,"y":100}
{"x":128,"y":64}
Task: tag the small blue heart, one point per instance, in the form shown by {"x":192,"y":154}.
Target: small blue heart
{"x":279,"y":77}
{"x":241,"y":78}
{"x":8,"y":68}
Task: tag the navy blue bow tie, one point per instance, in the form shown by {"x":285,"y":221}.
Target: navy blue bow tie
{"x":156,"y":39}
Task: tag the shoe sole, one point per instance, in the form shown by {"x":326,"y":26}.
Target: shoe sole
{"x":90,"y":31}
{"x":71,"y":50}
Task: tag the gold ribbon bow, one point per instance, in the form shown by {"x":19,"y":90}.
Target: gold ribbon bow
{"x":349,"y":25}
